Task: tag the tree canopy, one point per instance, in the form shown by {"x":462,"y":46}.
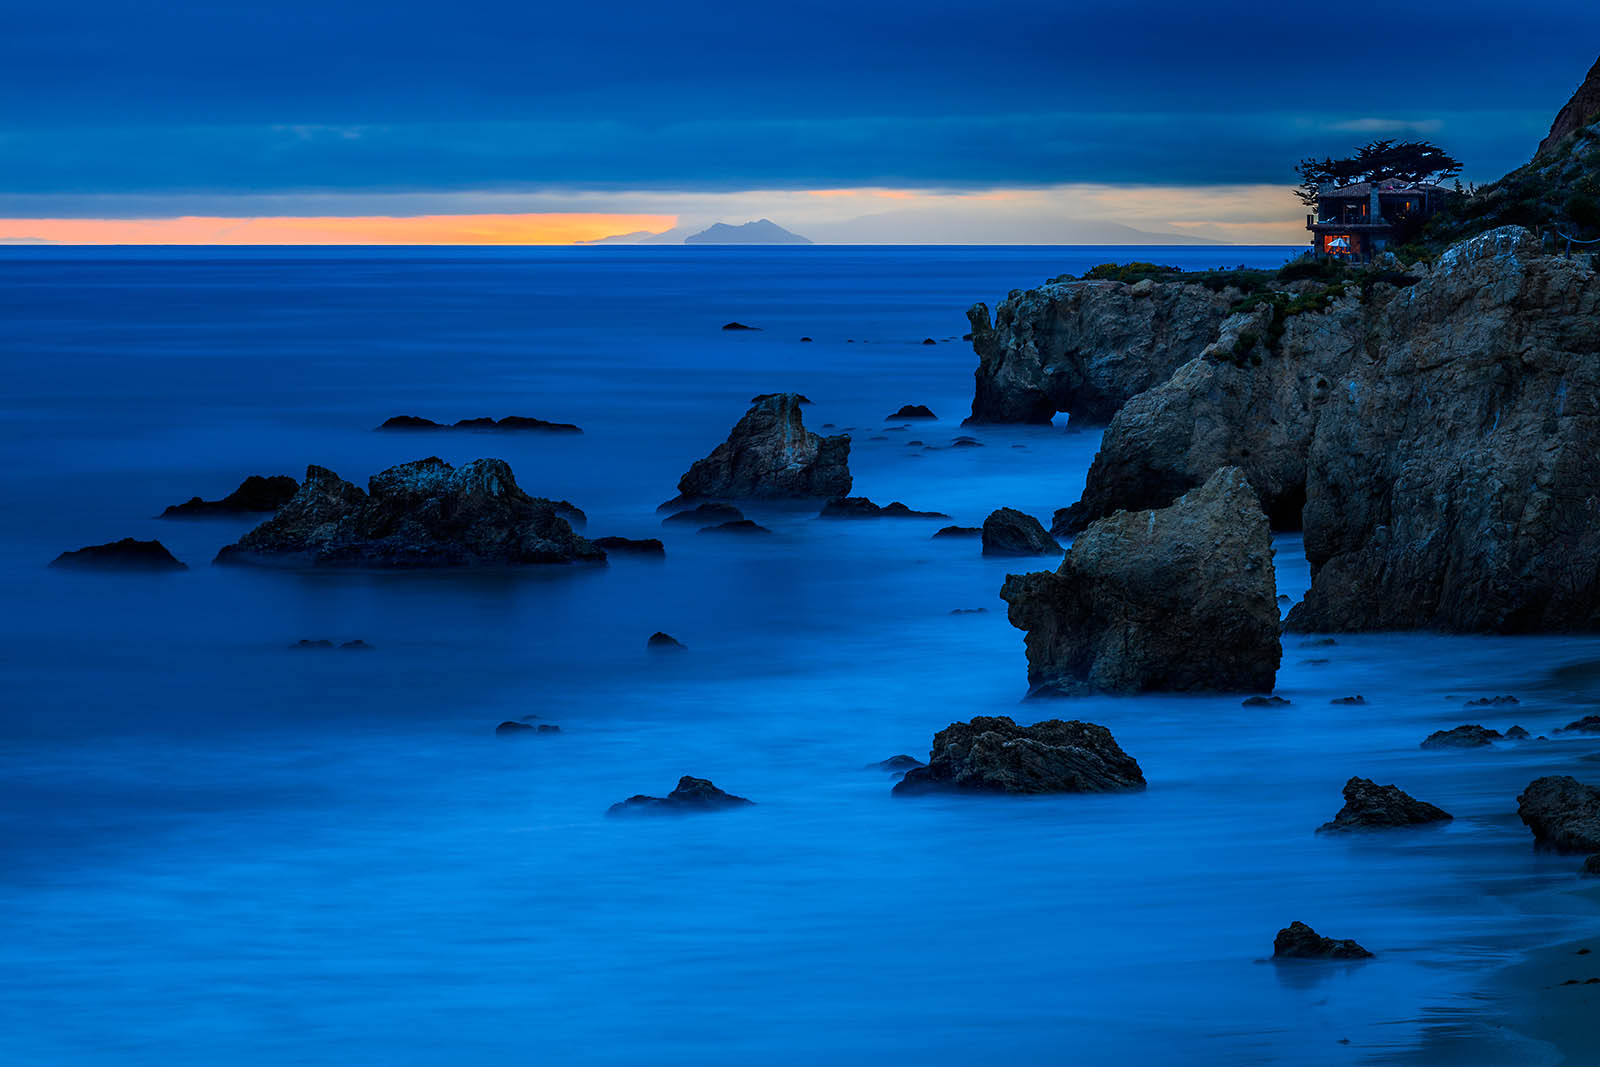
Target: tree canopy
{"x":1387,"y":160}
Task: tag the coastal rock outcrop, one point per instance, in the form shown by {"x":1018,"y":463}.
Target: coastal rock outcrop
{"x":1369,"y":806}
{"x":1009,"y":532}
{"x":1562,"y":812}
{"x":420,"y":514}
{"x":1579,"y":112}
{"x":254,"y":494}
{"x":1177,"y":599}
{"x":1085,"y":347}
{"x":124,"y":555}
{"x":1469,"y":735}
{"x":770,"y":455}
{"x":992,"y":754}
{"x":691,"y":796}
{"x":1297,"y":941}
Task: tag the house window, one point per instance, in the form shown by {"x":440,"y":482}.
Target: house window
{"x":1336,"y":244}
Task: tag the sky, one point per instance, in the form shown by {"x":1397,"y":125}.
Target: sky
{"x":482,"y":121}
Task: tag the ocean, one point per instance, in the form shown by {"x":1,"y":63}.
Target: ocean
{"x":218,"y":849}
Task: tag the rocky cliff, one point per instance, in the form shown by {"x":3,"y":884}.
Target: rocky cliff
{"x":1580,"y":111}
{"x":1086,"y":347}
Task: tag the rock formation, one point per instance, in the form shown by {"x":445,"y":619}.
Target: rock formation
{"x":896,"y":764}
{"x":770,"y":455}
{"x":702,"y":514}
{"x":124,"y":555}
{"x":660,"y":641}
{"x":420,"y":514}
{"x":913,"y":411}
{"x":944,"y":532}
{"x":1009,"y":532}
{"x":1579,"y":111}
{"x":1177,"y":599}
{"x":510,"y":422}
{"x":737,"y":527}
{"x":255,"y":493}
{"x":1086,"y":347}
{"x":1369,"y":806}
{"x":1562,"y":812}
{"x":691,"y":796}
{"x":992,"y":754}
{"x":859,"y":507}
{"x":1297,"y":941}
{"x":644,"y":546}
{"x":1471,"y":735}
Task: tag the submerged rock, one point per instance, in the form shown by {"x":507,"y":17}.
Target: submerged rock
{"x":895,"y":764}
{"x":510,"y":422}
{"x":913,"y":411}
{"x":1589,"y":724}
{"x":705,"y":513}
{"x":859,"y":507}
{"x":1297,"y":941}
{"x":738,"y":326}
{"x":1562,"y":812}
{"x":1492,"y":702}
{"x":1517,"y":733}
{"x":1264,"y":701}
{"x":1009,"y":532}
{"x":958,"y":531}
{"x":1369,"y":806}
{"x":770,"y":454}
{"x":992,"y":754}
{"x":692,"y":795}
{"x":664,"y":642}
{"x":646,"y":546}
{"x":124,"y":555}
{"x":254,"y":494}
{"x":1357,"y":701}
{"x":739,"y":526}
{"x":1177,"y":599}
{"x":420,"y":514}
{"x":1469,"y":736}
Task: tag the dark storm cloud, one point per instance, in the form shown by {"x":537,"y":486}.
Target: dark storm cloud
{"x":115,"y":95}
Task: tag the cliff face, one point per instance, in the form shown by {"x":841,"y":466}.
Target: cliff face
{"x":1085,"y":348}
{"x":1579,"y":112}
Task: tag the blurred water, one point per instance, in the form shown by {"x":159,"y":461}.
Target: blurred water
{"x":217,"y":849}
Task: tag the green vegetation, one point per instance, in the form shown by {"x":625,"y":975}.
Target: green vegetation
{"x":1379,"y":161}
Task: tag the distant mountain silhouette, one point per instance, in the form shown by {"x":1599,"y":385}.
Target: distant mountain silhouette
{"x":760,"y":232}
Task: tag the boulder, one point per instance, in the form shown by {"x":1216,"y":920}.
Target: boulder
{"x":895,"y":764}
{"x":958,"y":531}
{"x":738,"y":326}
{"x":1009,"y":532}
{"x":124,"y":555}
{"x":1297,"y":941}
{"x":1369,"y":806}
{"x":646,"y":546}
{"x":664,"y":642}
{"x":1517,"y":733}
{"x":254,"y":494}
{"x":691,"y":796}
{"x":1563,"y":813}
{"x":701,"y":514}
{"x":913,"y":411}
{"x":859,"y":507}
{"x":743,"y":527}
{"x":992,"y":754}
{"x":1264,"y":701}
{"x":770,"y":455}
{"x":1085,"y":348}
{"x":1469,"y":736}
{"x":1177,"y":599}
{"x":1589,"y":724}
{"x":420,"y":514}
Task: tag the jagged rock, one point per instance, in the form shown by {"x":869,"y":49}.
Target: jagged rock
{"x":1085,"y":348}
{"x":895,"y":764}
{"x":770,"y":454}
{"x":913,"y":411}
{"x":124,"y":555}
{"x":1468,"y":736}
{"x":1297,"y":941}
{"x":1176,"y":599}
{"x":692,"y":795}
{"x":1369,"y":806}
{"x":705,"y":513}
{"x":420,"y":514}
{"x":646,"y":546}
{"x":1356,"y":701}
{"x":510,"y":422}
{"x":1492,"y":702}
{"x":993,"y":754}
{"x":664,"y":642}
{"x":859,"y":507}
{"x":1260,"y":701}
{"x":740,"y":526}
{"x":255,"y":493}
{"x":1562,"y":812}
{"x":1589,"y":724}
{"x":1579,"y":112}
{"x":1009,"y":532}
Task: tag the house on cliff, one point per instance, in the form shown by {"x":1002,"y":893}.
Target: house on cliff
{"x":1359,"y":221}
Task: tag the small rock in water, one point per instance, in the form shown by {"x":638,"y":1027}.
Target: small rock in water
{"x":966,"y":442}
{"x":1492,"y":702}
{"x":1009,"y":532}
{"x":1369,"y":806}
{"x":992,"y":754}
{"x":1469,"y":736}
{"x":1589,"y":724}
{"x":357,"y":645}
{"x":929,"y":341}
{"x":1260,"y":701}
{"x":1297,"y":941}
{"x":306,"y":642}
{"x":1355,"y":700}
{"x":254,"y":494}
{"x":1315,"y":662}
{"x":664,"y":642}
{"x":958,"y":531}
{"x":704,"y":513}
{"x":895,"y":764}
{"x":738,"y":326}
{"x":1563,"y":813}
{"x":511,"y":728}
{"x":646,"y":546}
{"x":692,"y":795}
{"x":740,"y":526}
{"x":124,"y":555}
{"x":859,"y":507}
{"x":969,"y":611}
{"x":805,"y":340}
{"x":1517,"y":733}
{"x":912,"y":411}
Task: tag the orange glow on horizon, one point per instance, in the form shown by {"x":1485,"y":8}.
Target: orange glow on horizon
{"x":548,"y":228}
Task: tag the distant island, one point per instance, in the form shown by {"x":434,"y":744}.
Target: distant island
{"x":760,"y":232}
